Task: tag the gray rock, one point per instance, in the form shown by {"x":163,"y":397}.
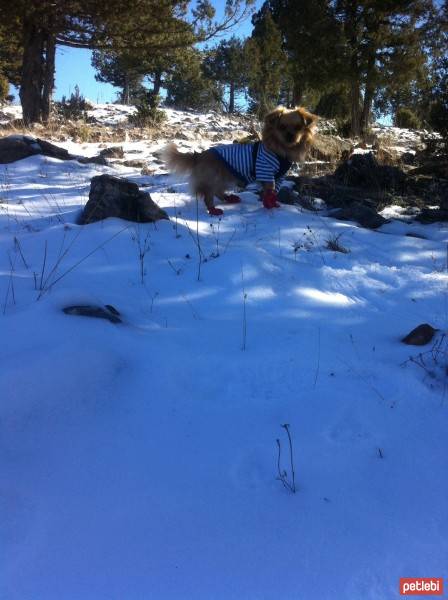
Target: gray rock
{"x":116,"y":197}
{"x":287,"y":196}
{"x":363,"y":215}
{"x":420,"y":336}
{"x":364,"y":170}
{"x":95,"y":160}
{"x":432,"y":215}
{"x":108,"y":312}
{"x":134,"y":162}
{"x":113,"y":152}
{"x":17,"y":147}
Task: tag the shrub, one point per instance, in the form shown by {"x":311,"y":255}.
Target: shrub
{"x":148,"y":113}
{"x":75,"y":107}
{"x":343,"y":127}
{"x":405,"y":117}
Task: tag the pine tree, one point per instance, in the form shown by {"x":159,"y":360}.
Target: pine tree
{"x":153,"y":25}
{"x":267,"y":63}
{"x":375,"y":32}
{"x":226,"y":64}
{"x":188,"y":87}
{"x":312,"y":41}
{"x":10,"y":51}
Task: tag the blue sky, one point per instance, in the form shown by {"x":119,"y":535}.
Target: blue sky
{"x":73,"y":67}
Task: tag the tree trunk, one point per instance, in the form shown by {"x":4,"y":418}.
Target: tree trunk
{"x":48,"y":81}
{"x":368,"y":94}
{"x":32,"y":72}
{"x":232,"y":97}
{"x":367,"y":109}
{"x":355,"y":113}
{"x":157,"y":83}
{"x":37,"y":82}
{"x":126,"y":93}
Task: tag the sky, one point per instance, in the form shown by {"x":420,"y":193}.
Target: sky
{"x":73,"y":66}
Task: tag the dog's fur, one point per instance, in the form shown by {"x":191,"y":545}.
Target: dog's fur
{"x":287,"y":132}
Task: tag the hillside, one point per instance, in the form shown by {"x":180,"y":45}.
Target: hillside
{"x":140,"y":459}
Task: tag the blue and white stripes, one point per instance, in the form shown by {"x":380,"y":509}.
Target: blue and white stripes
{"x":253,"y":162}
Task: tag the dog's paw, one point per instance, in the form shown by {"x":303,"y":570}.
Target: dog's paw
{"x":215,"y":212}
{"x":270,"y":199}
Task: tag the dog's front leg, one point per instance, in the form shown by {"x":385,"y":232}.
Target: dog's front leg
{"x":211,"y":208}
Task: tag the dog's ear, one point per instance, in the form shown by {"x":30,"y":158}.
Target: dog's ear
{"x":308,"y":118}
{"x":273,"y":117}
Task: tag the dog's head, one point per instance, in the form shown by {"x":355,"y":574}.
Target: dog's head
{"x":289,"y":132}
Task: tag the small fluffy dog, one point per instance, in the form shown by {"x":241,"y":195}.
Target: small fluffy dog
{"x":286,"y":137}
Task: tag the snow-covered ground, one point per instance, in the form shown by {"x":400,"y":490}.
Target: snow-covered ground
{"x":139,"y":460}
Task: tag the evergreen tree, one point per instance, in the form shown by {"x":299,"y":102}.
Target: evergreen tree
{"x":226,"y":64}
{"x":312,"y":41}
{"x":382,"y":37}
{"x":120,"y":70}
{"x":188,"y":87}
{"x":152,"y":25}
{"x":267,"y":63}
{"x":10,"y":51}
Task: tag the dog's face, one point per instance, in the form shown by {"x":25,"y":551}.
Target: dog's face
{"x":289,"y":131}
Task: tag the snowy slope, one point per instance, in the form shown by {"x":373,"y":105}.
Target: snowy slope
{"x":139,"y":461}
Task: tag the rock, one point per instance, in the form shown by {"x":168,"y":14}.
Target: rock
{"x":113,"y":152}
{"x":420,"y":336}
{"x":414,"y":234}
{"x":54,"y":151}
{"x":437,"y":167}
{"x":432,"y":215}
{"x":408,"y":158}
{"x":95,"y":160}
{"x":364,"y":170}
{"x":329,"y":148}
{"x":115,"y":197}
{"x":287,"y":196}
{"x":364,"y":215}
{"x":17,"y":147}
{"x":108,"y":312}
{"x":135,"y":163}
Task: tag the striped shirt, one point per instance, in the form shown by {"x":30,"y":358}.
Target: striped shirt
{"x":253,"y":162}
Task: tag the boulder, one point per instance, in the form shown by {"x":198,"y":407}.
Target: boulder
{"x":432,"y":215}
{"x":420,"y":336}
{"x":364,"y":170}
{"x":17,"y":147}
{"x":116,"y":197}
{"x":329,"y":148}
{"x":364,"y":215}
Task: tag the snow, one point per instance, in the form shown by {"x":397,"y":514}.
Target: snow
{"x":139,"y":460}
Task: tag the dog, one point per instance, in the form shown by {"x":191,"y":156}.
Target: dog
{"x":286,"y":137}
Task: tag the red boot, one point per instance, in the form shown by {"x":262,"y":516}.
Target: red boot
{"x":215,"y":212}
{"x":270,"y":199}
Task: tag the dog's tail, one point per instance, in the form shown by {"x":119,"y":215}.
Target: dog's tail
{"x":179,"y":162}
